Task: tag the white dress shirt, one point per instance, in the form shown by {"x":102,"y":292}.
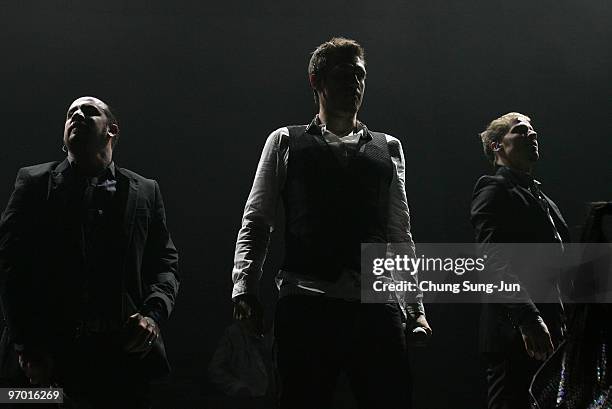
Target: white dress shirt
{"x":260,"y":212}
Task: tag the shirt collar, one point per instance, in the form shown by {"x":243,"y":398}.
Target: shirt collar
{"x":317,"y":127}
{"x":107,"y":173}
{"x":522,"y":178}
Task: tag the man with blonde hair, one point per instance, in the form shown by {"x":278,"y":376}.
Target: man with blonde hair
{"x":509,"y":207}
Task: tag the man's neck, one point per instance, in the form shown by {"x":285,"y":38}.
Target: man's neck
{"x":340,"y":125}
{"x":518,"y":167}
{"x":91,"y":165}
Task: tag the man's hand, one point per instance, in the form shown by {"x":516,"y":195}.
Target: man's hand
{"x":247,"y":307}
{"x":537,"y":339}
{"x":420,"y":331}
{"x":141,"y":333}
{"x":37,"y":366}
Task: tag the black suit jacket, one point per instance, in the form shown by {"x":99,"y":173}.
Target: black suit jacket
{"x":41,"y":253}
{"x":504,"y":210}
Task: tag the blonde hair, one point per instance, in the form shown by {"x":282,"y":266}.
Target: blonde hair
{"x":496,"y":130}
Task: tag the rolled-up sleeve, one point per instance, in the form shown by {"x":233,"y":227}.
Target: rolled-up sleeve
{"x":398,"y":229}
{"x":259,"y":215}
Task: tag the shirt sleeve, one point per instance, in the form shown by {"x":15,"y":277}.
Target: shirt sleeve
{"x":259,"y":214}
{"x":398,"y":228}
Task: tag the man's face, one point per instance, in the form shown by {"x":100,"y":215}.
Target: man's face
{"x":87,"y":128}
{"x":341,"y":89}
{"x":519,"y":147}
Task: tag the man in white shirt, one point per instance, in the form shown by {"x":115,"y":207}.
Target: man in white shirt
{"x":341,"y":185}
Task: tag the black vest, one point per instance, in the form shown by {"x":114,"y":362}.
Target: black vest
{"x":333,"y":207}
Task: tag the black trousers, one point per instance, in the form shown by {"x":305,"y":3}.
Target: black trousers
{"x":96,"y":373}
{"x":93,"y":371}
{"x":509,"y":375}
{"x":90,"y":392}
{"x":317,"y":338}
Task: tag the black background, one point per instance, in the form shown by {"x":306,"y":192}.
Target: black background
{"x":198,"y":87}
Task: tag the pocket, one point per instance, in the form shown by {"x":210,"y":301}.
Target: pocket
{"x":153,"y":365}
{"x":143,"y":214}
{"x":143,"y":211}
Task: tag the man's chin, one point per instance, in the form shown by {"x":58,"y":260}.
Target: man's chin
{"x":78,"y":144}
{"x":76,"y":137}
{"x":80,"y":136}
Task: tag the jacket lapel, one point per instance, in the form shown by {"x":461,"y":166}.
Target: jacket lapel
{"x":533,"y":202}
{"x":64,"y":207}
{"x":57,"y":188}
{"x":558,"y":219}
{"x":129,"y":187}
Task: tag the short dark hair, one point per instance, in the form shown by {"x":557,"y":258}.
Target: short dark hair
{"x":336,"y":48}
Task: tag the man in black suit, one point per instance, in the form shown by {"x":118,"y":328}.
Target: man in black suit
{"x":89,"y":271}
{"x":509,"y":207}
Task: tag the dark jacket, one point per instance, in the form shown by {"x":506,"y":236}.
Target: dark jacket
{"x":42,"y":258}
{"x":505,"y":210}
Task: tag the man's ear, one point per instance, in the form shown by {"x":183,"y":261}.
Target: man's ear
{"x":495,"y":146}
{"x":112,"y":130}
{"x":314,"y":81}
